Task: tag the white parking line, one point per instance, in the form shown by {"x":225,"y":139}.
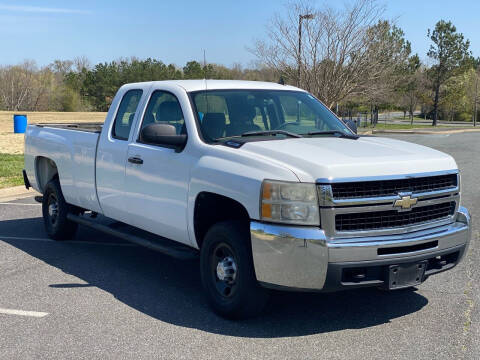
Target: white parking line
{"x":23,"y":313}
{"x":65,"y":242}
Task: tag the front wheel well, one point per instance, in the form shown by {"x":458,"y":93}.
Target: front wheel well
{"x":211,"y":208}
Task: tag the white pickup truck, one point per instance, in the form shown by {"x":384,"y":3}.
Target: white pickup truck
{"x":261,"y":181}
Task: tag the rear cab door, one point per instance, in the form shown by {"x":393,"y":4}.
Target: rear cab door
{"x":113,"y":147}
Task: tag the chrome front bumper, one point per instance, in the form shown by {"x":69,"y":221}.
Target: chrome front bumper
{"x":303,"y":258}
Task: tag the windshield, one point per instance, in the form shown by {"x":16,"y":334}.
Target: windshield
{"x":230,"y":113}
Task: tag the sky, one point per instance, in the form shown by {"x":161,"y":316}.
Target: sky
{"x":178,"y":31}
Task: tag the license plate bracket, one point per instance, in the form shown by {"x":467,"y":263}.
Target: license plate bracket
{"x":406,"y":275}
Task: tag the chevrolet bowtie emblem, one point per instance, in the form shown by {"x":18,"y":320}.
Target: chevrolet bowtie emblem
{"x":406,"y":202}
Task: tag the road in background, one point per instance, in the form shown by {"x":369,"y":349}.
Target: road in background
{"x":396,"y":117}
{"x":105,"y":298}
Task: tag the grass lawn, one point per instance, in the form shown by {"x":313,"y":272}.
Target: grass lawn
{"x":400,"y":126}
{"x":418,"y":118}
{"x":408,"y":119}
{"x":11,"y":166}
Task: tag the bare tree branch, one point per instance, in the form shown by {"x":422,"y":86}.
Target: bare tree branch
{"x":345,"y":53}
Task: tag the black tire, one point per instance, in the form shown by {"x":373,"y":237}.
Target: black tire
{"x":238,"y":295}
{"x":55,"y":211}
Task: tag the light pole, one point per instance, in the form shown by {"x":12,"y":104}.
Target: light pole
{"x":300,"y":18}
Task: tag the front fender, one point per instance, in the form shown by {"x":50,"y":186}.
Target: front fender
{"x":234,"y":177}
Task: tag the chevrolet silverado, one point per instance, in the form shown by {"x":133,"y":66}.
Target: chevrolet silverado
{"x":261,"y":181}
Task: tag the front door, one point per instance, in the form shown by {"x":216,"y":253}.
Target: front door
{"x":157,"y":178}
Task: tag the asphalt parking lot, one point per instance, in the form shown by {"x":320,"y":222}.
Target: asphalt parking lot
{"x":99,"y":297}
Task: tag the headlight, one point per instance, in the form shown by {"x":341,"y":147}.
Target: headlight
{"x":292,"y":203}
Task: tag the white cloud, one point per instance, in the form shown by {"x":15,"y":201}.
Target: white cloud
{"x":38,"y":9}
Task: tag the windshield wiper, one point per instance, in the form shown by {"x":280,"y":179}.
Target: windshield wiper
{"x":271,"y":132}
{"x":334,"y":132}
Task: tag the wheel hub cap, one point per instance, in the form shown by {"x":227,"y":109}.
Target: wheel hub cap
{"x":53,"y":211}
{"x":227,"y":270}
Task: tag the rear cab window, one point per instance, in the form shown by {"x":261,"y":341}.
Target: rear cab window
{"x":125,"y":114}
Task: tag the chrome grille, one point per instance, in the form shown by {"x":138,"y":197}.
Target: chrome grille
{"x":365,"y":189}
{"x":366,"y":206}
{"x":393,"y":218}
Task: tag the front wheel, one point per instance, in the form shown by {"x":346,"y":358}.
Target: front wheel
{"x":55,"y":210}
{"x":227,"y":272}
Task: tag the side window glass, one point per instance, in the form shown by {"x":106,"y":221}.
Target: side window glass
{"x":125,"y":114}
{"x":164,"y":108}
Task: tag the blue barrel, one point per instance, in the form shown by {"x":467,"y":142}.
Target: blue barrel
{"x":19,"y":124}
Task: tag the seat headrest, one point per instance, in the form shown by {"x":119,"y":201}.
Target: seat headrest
{"x":249,"y":112}
{"x":169,"y":111}
{"x":214,"y":124}
{"x":242,"y":113}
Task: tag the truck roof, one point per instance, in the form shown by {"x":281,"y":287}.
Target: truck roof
{"x":197,"y":85}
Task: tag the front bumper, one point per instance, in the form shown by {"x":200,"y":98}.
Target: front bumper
{"x":303,"y":258}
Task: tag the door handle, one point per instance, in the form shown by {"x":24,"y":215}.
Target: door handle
{"x":135,"y":160}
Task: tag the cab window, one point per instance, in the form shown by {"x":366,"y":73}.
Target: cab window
{"x":164,"y":108}
{"x":125,"y":114}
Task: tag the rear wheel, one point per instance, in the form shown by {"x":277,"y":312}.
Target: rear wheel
{"x":227,"y":272}
{"x":55,"y":211}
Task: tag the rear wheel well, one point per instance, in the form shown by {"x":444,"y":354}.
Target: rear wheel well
{"x":45,"y":170}
{"x":212,"y":208}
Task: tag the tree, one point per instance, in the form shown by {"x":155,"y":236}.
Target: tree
{"x":408,"y":88}
{"x":193,"y":70}
{"x":99,"y":85}
{"x":344,"y":53}
{"x":61,"y":66}
{"x":454,"y":100}
{"x":43,"y":88}
{"x":473,"y":88}
{"x":450,"y":52}
{"x":16,"y":85}
{"x":81,"y":63}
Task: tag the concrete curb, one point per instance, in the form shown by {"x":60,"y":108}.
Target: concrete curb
{"x":15,"y":193}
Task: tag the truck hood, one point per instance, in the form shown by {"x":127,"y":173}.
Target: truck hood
{"x":320,"y":158}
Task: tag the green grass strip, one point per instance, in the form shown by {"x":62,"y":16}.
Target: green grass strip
{"x":11,"y":170}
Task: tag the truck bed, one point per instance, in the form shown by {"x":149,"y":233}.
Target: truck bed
{"x":83,"y":126}
{"x":72,"y":148}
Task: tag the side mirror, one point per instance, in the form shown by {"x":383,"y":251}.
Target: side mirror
{"x":163,"y":135}
{"x":352,"y":125}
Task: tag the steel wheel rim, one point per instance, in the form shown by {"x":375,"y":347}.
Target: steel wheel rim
{"x":223,"y":270}
{"x":52,"y":208}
